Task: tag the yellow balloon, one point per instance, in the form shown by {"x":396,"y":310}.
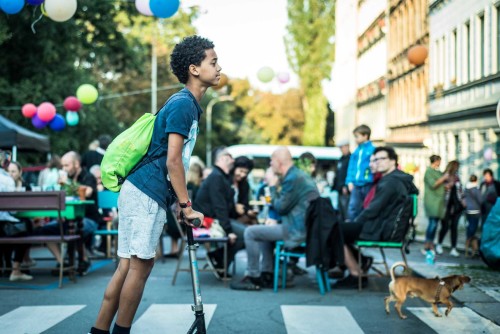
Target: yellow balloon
{"x":87,"y":94}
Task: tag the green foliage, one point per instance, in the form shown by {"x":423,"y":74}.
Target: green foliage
{"x":311,"y":52}
{"x":107,"y":44}
{"x":270,"y":118}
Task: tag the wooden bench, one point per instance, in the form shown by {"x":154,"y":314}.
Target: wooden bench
{"x":41,"y":201}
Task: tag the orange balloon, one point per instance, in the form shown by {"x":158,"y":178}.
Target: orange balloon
{"x":222,"y":82}
{"x":417,"y":54}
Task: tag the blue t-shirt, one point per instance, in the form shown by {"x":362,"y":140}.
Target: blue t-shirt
{"x":180,"y":115}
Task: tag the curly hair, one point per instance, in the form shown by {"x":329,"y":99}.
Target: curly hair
{"x":191,"y":51}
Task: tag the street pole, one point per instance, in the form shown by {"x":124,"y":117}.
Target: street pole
{"x":210,"y":106}
{"x":154,"y":83}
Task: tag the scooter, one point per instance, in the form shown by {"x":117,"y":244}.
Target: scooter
{"x":198,"y":325}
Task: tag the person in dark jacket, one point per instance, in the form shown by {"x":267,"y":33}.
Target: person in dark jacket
{"x":215,"y":200}
{"x":391,"y":193}
{"x":490,"y":191}
{"x":239,"y":177}
{"x":339,"y":183}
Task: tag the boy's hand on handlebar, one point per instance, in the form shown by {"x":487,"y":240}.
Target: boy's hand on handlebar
{"x":192,"y":215}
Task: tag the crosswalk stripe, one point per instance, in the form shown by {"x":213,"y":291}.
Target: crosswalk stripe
{"x":169,"y":318}
{"x":301,"y":319}
{"x":36,"y":319}
{"x":460,"y":320}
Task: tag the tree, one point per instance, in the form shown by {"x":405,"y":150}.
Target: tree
{"x":310,"y":52}
{"x":273,"y":119}
{"x":107,"y":44}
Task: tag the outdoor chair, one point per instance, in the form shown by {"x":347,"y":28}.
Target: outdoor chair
{"x":282,"y":253}
{"x":200,"y":240}
{"x":401,"y":245}
{"x":108,"y":200}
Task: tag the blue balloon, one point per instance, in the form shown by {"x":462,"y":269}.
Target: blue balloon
{"x":11,"y":6}
{"x":72,"y":118}
{"x":37,"y":122}
{"x":58,"y":123}
{"x":164,"y":8}
{"x":35,"y":2}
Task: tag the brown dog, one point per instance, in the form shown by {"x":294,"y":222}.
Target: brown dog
{"x":433,"y":290}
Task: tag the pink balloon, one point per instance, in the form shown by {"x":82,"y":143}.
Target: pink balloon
{"x":283,"y":77}
{"x":46,"y":111}
{"x":488,"y":154}
{"x":72,"y":103}
{"x":143,"y":7}
{"x":29,"y":110}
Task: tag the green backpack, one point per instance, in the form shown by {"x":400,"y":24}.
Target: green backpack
{"x":126,"y":151}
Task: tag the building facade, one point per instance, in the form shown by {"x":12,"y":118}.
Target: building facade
{"x":344,"y":70}
{"x":371,"y":92}
{"x":464,"y":82}
{"x":407,"y":111}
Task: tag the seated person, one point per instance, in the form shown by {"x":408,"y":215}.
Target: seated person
{"x":16,"y":172}
{"x":7,"y":184}
{"x":76,"y":175}
{"x":239,"y":177}
{"x":291,"y":202}
{"x":47,"y":179}
{"x":390,"y":194}
{"x":215,"y":200}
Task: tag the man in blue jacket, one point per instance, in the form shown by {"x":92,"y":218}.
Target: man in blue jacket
{"x":359,"y":177}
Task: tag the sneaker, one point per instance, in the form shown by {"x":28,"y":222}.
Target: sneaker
{"x":350,"y":282}
{"x":336,"y":273}
{"x":267,"y":280}
{"x":247,"y":283}
{"x":439,"y":249}
{"x":83,"y":267}
{"x":21,"y":277}
{"x":454,"y":252}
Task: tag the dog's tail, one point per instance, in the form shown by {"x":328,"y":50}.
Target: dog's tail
{"x":397,"y":264}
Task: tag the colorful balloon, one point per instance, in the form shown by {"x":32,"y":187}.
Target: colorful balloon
{"x":58,"y":123}
{"x":72,"y":103}
{"x":283,"y":77}
{"x":11,"y":6}
{"x":87,"y":94}
{"x":265,"y":74}
{"x":142,"y":7}
{"x":72,"y":118}
{"x":60,"y":10}
{"x":488,"y":154}
{"x":29,"y":110}
{"x":38,"y":123}
{"x":164,"y":8}
{"x":417,"y":54}
{"x":35,"y":2}
{"x":46,"y":111}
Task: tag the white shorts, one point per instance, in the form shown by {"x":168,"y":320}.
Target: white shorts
{"x":140,"y":223}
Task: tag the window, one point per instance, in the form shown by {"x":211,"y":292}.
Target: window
{"x":467,"y":51}
{"x":454,"y":69}
{"x":481,"y":45}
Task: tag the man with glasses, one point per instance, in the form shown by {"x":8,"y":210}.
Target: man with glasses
{"x":215,"y":200}
{"x":390,"y":195}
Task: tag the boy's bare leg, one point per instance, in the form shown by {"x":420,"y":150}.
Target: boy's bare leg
{"x":133,"y":287}
{"x":111,"y":298}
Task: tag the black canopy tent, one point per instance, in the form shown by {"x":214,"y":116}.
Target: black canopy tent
{"x":15,"y":137}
